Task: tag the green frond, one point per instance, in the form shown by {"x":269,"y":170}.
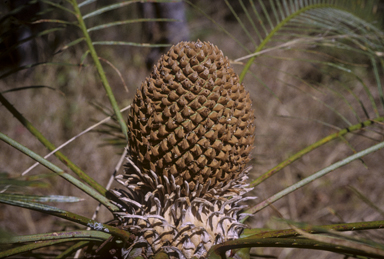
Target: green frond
{"x":312,"y":147}
{"x":315,"y":176}
{"x":328,"y":17}
{"x":240,"y":22}
{"x":101,"y":190}
{"x":102,"y":199}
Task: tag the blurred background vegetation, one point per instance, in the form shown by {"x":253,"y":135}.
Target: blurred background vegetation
{"x":292,"y":95}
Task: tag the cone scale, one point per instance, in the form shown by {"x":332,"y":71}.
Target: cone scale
{"x":190,"y":130}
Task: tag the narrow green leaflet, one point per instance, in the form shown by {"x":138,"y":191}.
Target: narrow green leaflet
{"x":6,"y":183}
{"x":240,"y":23}
{"x":368,"y":247}
{"x":29,"y":205}
{"x":35,"y":198}
{"x":115,"y":6}
{"x":59,"y":6}
{"x":86,"y":2}
{"x":108,"y":8}
{"x":54,"y":21}
{"x":218,"y":251}
{"x":268,"y":233}
{"x":245,"y":9}
{"x":73,"y":43}
{"x":107,"y":25}
{"x":57,"y":235}
{"x":130,"y":44}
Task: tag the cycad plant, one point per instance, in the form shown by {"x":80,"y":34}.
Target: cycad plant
{"x":196,"y":150}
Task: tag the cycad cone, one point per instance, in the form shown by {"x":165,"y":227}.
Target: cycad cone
{"x":190,"y":135}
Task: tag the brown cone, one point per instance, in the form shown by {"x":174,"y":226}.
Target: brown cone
{"x":191,"y":118}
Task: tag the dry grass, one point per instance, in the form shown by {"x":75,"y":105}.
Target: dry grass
{"x":61,"y":114}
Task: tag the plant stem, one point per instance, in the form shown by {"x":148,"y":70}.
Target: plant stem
{"x":89,"y":180}
{"x":100,"y":69}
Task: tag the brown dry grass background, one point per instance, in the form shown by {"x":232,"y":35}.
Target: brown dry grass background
{"x":64,"y":113}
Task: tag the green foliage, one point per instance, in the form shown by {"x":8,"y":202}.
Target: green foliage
{"x":339,"y":42}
